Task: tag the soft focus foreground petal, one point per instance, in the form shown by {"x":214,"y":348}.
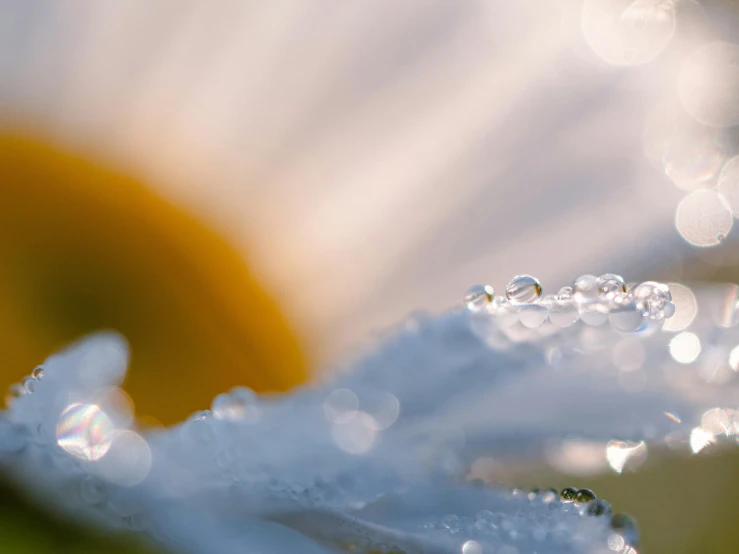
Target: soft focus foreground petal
{"x":374,"y":459}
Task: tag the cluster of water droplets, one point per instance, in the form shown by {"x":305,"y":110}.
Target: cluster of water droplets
{"x":377,"y":456}
{"x":590,"y":299}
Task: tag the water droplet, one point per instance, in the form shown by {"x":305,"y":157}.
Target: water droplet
{"x":549,"y":496}
{"x":241,"y":403}
{"x":38,"y":373}
{"x":625,"y":525}
{"x":599,"y":507}
{"x":486,"y":521}
{"x":451,"y":523}
{"x":533,"y":494}
{"x":585,"y":288}
{"x":478,"y":297}
{"x":566,"y":293}
{"x":533,"y":315}
{"x":564,"y":313}
{"x":30,"y":384}
{"x":650,"y":298}
{"x":611,"y":285}
{"x":568,"y":494}
{"x":84,"y":431}
{"x":584,"y":496}
{"x":523,"y":289}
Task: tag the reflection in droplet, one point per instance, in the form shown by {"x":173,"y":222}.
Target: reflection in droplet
{"x":239,"y":404}
{"x":84,"y":431}
{"x":703,"y":218}
{"x":127,"y":462}
{"x":686,"y":308}
{"x":523,"y":289}
{"x":341,"y":406}
{"x":685,"y":347}
{"x":628,"y":32}
{"x":709,"y":84}
{"x":355,"y":436}
{"x":585,"y":288}
{"x":700,"y":439}
{"x":622,"y":454}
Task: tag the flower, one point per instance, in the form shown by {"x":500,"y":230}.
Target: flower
{"x":374,"y":458}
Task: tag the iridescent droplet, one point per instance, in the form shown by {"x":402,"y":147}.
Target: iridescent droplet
{"x":651,"y":298}
{"x":568,"y":494}
{"x":451,"y":523}
{"x":610,"y":285}
{"x":523,"y":289}
{"x":584,"y":496}
{"x":599,"y":507}
{"x":625,"y":525}
{"x":478,"y":297}
{"x":585,"y":288}
{"x":85,"y":431}
{"x":38,"y":373}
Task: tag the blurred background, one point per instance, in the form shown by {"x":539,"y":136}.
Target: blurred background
{"x":247,"y":190}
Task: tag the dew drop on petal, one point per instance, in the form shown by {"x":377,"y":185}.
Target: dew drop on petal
{"x":585,"y":288}
{"x":599,"y":507}
{"x":568,"y":494}
{"x":533,"y":315}
{"x":523,"y":289}
{"x":451,"y":523}
{"x":650,"y":298}
{"x":479,"y":297}
{"x":29,"y":384}
{"x":38,"y":373}
{"x":611,"y":285}
{"x":703,"y":218}
{"x":84,"y":431}
{"x":240,"y":403}
{"x":584,"y":496}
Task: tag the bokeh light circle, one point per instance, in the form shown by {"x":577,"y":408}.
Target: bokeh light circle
{"x":703,"y":218}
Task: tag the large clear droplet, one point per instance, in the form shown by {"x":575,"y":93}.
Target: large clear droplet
{"x":523,"y":289}
{"x":478,"y":297}
{"x":610,"y":286}
{"x":585,"y":288}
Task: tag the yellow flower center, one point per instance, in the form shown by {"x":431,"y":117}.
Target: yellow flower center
{"x":83,"y":248}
